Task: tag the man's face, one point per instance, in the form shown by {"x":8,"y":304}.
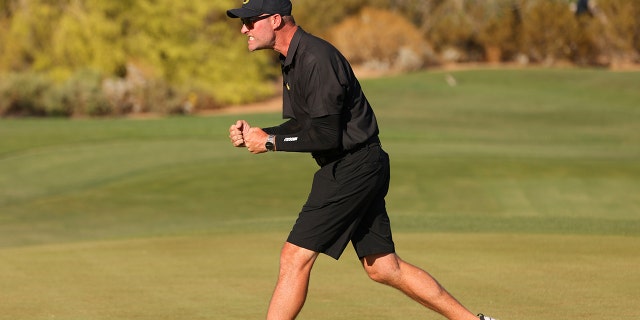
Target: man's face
{"x":260,"y":32}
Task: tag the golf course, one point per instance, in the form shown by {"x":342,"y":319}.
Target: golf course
{"x":519,"y":190}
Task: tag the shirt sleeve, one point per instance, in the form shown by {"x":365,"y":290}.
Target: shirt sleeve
{"x":324,"y":133}
{"x":289,"y":127}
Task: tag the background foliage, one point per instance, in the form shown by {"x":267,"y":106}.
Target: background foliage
{"x":152,"y":51}
{"x":176,"y":57}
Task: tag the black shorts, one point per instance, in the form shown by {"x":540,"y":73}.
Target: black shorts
{"x":347,"y":203}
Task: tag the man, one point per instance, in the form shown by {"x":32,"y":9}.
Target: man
{"x":329,"y":117}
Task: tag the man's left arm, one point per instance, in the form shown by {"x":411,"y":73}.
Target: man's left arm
{"x":324,"y":133}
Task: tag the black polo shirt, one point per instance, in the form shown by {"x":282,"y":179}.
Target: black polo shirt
{"x":318,"y":83}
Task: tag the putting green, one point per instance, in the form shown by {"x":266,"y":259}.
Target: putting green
{"x":223,"y":276}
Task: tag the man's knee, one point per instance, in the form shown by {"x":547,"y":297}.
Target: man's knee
{"x":293,"y":257}
{"x":383,"y":269}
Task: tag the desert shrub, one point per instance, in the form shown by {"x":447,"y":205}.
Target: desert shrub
{"x":134,"y":89}
{"x":24,"y":94}
{"x":616,"y":30}
{"x":549,"y":30}
{"x":138,"y":91}
{"x":586,"y":49}
{"x":80,"y":95}
{"x":56,"y":104}
{"x":381,"y":38}
{"x":451,"y":31}
{"x":333,"y":12}
{"x":85,"y":93}
{"x":419,"y":12}
{"x":497,"y":25}
{"x":160,"y":97}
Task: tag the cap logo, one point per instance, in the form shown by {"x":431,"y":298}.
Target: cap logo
{"x":245,"y":1}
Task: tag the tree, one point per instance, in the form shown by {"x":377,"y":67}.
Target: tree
{"x":192,"y":46}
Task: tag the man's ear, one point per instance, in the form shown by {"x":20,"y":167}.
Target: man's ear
{"x":277,"y":22}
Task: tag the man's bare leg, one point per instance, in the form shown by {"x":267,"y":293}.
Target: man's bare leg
{"x":416,"y":283}
{"x":293,"y":281}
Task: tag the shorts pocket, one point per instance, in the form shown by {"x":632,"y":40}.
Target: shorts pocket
{"x":324,"y":187}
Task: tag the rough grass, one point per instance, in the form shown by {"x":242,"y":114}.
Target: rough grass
{"x":519,"y":190}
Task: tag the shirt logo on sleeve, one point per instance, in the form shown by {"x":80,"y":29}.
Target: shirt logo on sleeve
{"x":292,"y":139}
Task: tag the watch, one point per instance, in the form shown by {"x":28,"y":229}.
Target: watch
{"x":270,"y":145}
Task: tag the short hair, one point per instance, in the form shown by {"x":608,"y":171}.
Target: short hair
{"x":288,"y":19}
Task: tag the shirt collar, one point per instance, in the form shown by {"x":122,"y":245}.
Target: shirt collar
{"x":293,"y":47}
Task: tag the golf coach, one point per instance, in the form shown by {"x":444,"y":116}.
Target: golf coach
{"x":328,"y":115}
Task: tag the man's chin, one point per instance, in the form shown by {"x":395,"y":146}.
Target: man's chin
{"x":253,"y":45}
{"x":252,"y":48}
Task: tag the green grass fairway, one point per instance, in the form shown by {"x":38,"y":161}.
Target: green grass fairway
{"x":518,"y":189}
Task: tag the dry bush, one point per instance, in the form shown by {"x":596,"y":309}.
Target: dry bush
{"x":315,"y":16}
{"x":24,"y":94}
{"x":616,"y":31}
{"x":140,"y":91}
{"x":497,"y":27}
{"x":549,"y":30}
{"x":381,"y":39}
{"x":451,"y":32}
